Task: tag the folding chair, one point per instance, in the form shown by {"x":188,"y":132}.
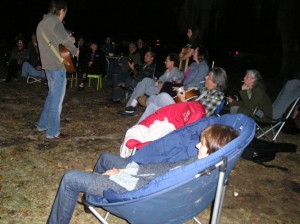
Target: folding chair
{"x":282,"y":107}
{"x":182,"y":193}
{"x":183,"y":64}
{"x":275,"y":125}
{"x":31,"y":79}
{"x":219,"y":108}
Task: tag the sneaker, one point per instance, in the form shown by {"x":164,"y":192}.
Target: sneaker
{"x":126,"y":113}
{"x":130,"y":109}
{"x":61,"y":136}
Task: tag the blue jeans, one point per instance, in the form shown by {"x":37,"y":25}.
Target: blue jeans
{"x":28,"y":69}
{"x":155,"y":102}
{"x":76,"y":181}
{"x":50,"y":117}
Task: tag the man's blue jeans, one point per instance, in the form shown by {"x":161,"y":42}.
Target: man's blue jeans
{"x":155,"y":102}
{"x":76,"y":181}
{"x":28,"y":69}
{"x":50,"y":118}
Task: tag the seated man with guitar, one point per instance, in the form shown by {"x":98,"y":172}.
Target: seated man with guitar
{"x":210,"y":96}
{"x":119,"y":71}
{"x":145,"y":71}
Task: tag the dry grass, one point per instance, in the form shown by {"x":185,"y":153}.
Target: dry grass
{"x":31,"y":167}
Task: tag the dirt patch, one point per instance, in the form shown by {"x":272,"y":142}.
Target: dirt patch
{"x":31,"y":167}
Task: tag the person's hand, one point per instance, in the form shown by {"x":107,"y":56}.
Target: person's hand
{"x":131,"y":65}
{"x":77,"y":52}
{"x":159,"y":84}
{"x":230,"y":99}
{"x":111,"y":172}
{"x":245,"y":87}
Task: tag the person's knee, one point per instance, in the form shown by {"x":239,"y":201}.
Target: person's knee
{"x":70,"y":176}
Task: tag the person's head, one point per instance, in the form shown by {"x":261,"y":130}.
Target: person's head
{"x":140,"y":43}
{"x":172,"y":61}
{"x":58,"y":8}
{"x":107,"y":40}
{"x":132,"y":47}
{"x":253,"y":78}
{"x":200,"y":54}
{"x":216,"y":79}
{"x":149,"y":57}
{"x":193,"y":33}
{"x":213,"y":138}
{"x":20,"y":42}
{"x":94,"y":46}
{"x":34,"y":39}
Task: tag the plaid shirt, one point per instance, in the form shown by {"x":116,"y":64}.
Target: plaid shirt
{"x":210,"y":99}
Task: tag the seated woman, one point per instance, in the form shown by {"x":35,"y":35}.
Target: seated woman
{"x":253,"y":94}
{"x":112,"y":171}
{"x":210,"y":97}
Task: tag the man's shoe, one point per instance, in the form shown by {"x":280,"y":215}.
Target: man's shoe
{"x":130,"y":109}
{"x":61,"y":136}
{"x":126,"y":113}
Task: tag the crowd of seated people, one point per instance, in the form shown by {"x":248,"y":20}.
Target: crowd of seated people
{"x":150,"y":86}
{"x":194,"y":78}
{"x":210,"y":96}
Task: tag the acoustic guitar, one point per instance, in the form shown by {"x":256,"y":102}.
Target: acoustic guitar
{"x":190,"y":95}
{"x":68,"y":59}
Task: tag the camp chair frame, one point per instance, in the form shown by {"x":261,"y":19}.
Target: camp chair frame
{"x":275,"y":126}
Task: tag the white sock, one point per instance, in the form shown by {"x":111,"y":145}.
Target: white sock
{"x":134,"y":103}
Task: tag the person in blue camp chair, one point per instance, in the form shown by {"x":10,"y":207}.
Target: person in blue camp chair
{"x":121,"y":175}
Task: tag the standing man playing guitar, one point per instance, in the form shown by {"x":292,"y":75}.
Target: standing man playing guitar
{"x":50,"y":34}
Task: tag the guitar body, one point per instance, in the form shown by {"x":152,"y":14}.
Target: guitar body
{"x":68,"y":59}
{"x":190,"y":95}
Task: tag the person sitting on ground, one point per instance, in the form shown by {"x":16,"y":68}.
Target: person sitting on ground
{"x":253,"y":95}
{"x":18,"y":55}
{"x":111,"y":170}
{"x":151,"y":87}
{"x":210,"y":96}
{"x":94,"y":63}
{"x":118,"y":71}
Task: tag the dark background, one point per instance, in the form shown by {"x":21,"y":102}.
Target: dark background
{"x":253,"y":28}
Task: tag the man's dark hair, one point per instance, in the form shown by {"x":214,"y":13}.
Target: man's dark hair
{"x":56,"y":5}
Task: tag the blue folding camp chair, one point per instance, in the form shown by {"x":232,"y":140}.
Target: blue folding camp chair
{"x":182,"y":193}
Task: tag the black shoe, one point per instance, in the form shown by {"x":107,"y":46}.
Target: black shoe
{"x":126,"y":113}
{"x":130,"y":109}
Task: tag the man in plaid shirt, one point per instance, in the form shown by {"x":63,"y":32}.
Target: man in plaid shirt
{"x":210,"y":97}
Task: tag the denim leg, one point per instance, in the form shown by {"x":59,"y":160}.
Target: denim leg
{"x":147,"y":85}
{"x":50,"y":118}
{"x":155,"y":102}
{"x":65,"y":201}
{"x":109,"y":161}
{"x":28,"y":69}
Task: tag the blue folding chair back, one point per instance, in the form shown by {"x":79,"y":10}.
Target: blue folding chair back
{"x":182,"y":193}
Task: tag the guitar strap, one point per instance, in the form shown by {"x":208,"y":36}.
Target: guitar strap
{"x":52,"y":48}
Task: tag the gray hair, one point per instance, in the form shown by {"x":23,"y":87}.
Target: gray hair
{"x":258,"y":79}
{"x":219,"y":77}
